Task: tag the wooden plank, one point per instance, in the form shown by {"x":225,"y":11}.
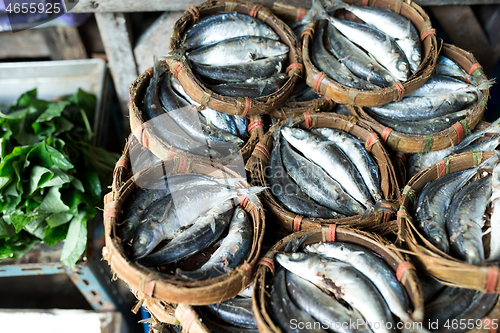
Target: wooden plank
{"x":465,"y":31}
{"x":118,"y":46}
{"x":155,"y":40}
{"x":23,"y":44}
{"x":103,"y":6}
{"x":64,"y":43}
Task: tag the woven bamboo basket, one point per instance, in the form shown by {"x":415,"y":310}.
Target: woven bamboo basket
{"x":396,"y":261}
{"x":451,"y":136}
{"x":448,"y":270}
{"x":350,"y":96}
{"x":241,"y":106}
{"x":259,"y":160}
{"x":145,"y":135}
{"x":152,"y":284}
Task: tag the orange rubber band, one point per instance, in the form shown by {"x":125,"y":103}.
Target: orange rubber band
{"x":402,"y":268}
{"x":301,"y":12}
{"x":330,"y":101}
{"x":268,"y":262}
{"x":492,"y":280}
{"x":474,"y":67}
{"x":255,"y":124}
{"x":460,"y":131}
{"x":177,"y":69}
{"x":297,"y":222}
{"x":182,"y":166}
{"x":149,"y":288}
{"x":427,"y":33}
{"x":172,"y":153}
{"x":401,"y":90}
{"x":372,"y":139}
{"x":144,"y":136}
{"x":248,"y":106}
{"x":317,"y":81}
{"x":122,"y":162}
{"x":295,"y":65}
{"x":402,"y":213}
{"x":188,"y":321}
{"x":255,"y":10}
{"x":308,"y":119}
{"x":131,"y":99}
{"x":307,"y":31}
{"x":365,"y":3}
{"x":111,"y":212}
{"x":194,"y":11}
{"x":385,"y":134}
{"x":150,"y":71}
{"x":441,"y":168}
{"x":244,"y":202}
{"x":263,"y":149}
{"x":331,"y":232}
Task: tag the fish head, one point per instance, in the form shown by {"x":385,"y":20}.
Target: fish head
{"x":439,"y":240}
{"x":126,"y":233}
{"x":293,"y":135}
{"x":475,"y":255}
{"x":240,"y":214}
{"x":402,"y":70}
{"x":325,"y":132}
{"x":267,"y":31}
{"x":147,"y":237}
{"x":275,"y":48}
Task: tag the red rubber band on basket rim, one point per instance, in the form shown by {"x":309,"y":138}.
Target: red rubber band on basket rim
{"x":295,"y":65}
{"x":111,"y":212}
{"x":307,"y":31}
{"x":263,"y":149}
{"x":182,"y":166}
{"x":402,"y":268}
{"x":195,"y":12}
{"x":301,"y":12}
{"x":177,"y":69}
{"x":248,"y":106}
{"x":244,"y":202}
{"x":131,"y":99}
{"x":491,"y":280}
{"x":150,"y":71}
{"x":122,"y":162}
{"x":427,"y":33}
{"x":474,"y":67}
{"x":317,"y":81}
{"x":255,"y":10}
{"x":401,"y":90}
{"x":330,"y":101}
{"x":297,"y":222}
{"x":460,"y":131}
{"x":144,"y":136}
{"x":171,"y":154}
{"x":268,"y":262}
{"x":372,"y":139}
{"x":149,"y":288}
{"x":255,"y":124}
{"x":308,"y":119}
{"x":365,"y":3}
{"x":332,"y":228}
{"x":385,"y":134}
{"x":188,"y":320}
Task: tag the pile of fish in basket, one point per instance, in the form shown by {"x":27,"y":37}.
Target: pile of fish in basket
{"x":309,"y":170}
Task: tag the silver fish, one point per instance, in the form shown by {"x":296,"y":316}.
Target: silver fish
{"x":374,"y":268}
{"x":495,"y":215}
{"x":237,"y":50}
{"x":357,"y":153}
{"x":251,"y":88}
{"x":435,"y":198}
{"x":357,"y":60}
{"x":232,"y":252}
{"x":331,"y":66}
{"x":317,"y":184}
{"x":323,"y":307}
{"x":203,"y":233}
{"x":438,"y":84}
{"x":446,"y":66}
{"x":394,"y":25}
{"x":345,"y":282}
{"x":464,"y":220}
{"x":379,"y":45}
{"x":425,"y":126}
{"x":236,"y":311}
{"x":216,"y":28}
{"x":332,"y":160}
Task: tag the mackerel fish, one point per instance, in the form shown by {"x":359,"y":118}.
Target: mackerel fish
{"x":216,"y":28}
{"x":374,"y":268}
{"x":251,"y":88}
{"x":236,"y":311}
{"x":344,"y":282}
{"x":446,"y":66}
{"x":237,"y":50}
{"x":464,"y":220}
{"x":495,"y":215}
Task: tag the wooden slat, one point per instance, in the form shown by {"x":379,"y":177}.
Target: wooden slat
{"x":23,"y":44}
{"x":64,"y":43}
{"x":118,"y":46}
{"x":465,"y":31}
{"x":102,"y":6}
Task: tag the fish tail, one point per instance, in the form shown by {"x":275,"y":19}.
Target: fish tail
{"x":230,"y":182}
{"x":486,"y":84}
{"x":382,"y":206}
{"x":251,"y":194}
{"x":493,"y":128}
{"x":317,"y":12}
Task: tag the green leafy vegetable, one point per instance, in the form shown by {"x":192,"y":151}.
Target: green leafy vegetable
{"x":50,"y":174}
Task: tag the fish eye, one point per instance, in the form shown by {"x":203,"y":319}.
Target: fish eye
{"x":389,"y":78}
{"x":240,"y":215}
{"x":415,"y":57}
{"x":402,"y":66}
